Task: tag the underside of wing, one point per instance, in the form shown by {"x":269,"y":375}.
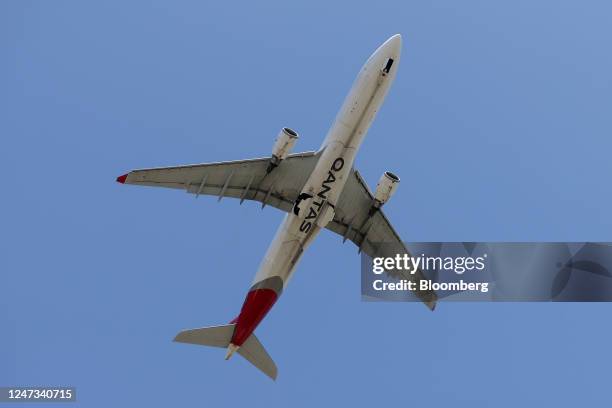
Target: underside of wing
{"x":371,"y":231}
{"x":242,"y":179}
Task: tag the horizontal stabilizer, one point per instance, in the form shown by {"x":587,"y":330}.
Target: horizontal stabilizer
{"x":256,"y":354}
{"x":214,"y":336}
{"x":221,"y":336}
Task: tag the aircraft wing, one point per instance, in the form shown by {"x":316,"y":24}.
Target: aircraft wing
{"x":242,"y":179}
{"x":374,"y":235}
{"x":247,"y":180}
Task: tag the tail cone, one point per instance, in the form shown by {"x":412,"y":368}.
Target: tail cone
{"x":231,"y":349}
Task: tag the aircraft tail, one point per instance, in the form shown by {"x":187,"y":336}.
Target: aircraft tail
{"x":220,"y":336}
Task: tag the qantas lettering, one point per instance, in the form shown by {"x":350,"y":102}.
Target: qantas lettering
{"x":314,"y":210}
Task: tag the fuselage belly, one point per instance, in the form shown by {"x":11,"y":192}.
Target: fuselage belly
{"x":323,"y":188}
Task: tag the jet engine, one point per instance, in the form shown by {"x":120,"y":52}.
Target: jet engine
{"x":385,"y":188}
{"x":282,"y":147}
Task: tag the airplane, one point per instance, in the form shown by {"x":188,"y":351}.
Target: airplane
{"x":316,"y":190}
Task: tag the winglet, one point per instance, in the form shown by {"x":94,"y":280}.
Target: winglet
{"x":121,"y":179}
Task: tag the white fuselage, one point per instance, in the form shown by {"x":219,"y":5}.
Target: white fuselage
{"x":337,"y":154}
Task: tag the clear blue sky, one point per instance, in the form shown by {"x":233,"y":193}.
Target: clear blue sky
{"x":499,"y":123}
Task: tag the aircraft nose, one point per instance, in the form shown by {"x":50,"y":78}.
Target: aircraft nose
{"x":394,"y":44}
{"x":386,"y":54}
{"x":391,"y":48}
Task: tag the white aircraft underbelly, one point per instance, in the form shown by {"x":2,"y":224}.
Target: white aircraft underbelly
{"x":323,"y":176}
{"x":337,"y":154}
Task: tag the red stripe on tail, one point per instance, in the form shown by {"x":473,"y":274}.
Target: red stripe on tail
{"x":257,"y":304}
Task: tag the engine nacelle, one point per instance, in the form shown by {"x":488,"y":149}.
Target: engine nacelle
{"x":282,"y":147}
{"x":385,"y":188}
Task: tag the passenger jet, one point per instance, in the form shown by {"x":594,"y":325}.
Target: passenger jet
{"x":316,"y":189}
